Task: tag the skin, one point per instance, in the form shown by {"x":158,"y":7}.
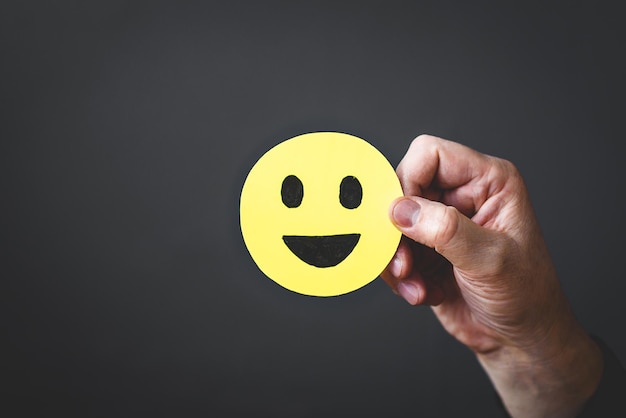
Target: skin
{"x":473,"y":250}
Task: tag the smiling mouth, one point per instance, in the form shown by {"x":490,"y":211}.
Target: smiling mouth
{"x":322,"y":251}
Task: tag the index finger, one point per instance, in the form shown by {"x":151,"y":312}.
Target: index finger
{"x":449,"y":172}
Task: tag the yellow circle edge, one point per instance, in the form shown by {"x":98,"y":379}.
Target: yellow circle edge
{"x":320,"y":160}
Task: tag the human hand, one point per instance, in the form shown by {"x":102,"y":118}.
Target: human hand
{"x":474,"y":251}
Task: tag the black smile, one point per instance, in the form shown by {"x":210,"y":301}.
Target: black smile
{"x":322,"y":251}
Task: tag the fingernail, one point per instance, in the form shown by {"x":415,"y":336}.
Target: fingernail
{"x":409,"y":292}
{"x":396,"y":266}
{"x":405,"y":212}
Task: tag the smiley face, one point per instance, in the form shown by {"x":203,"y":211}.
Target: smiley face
{"x":314,"y":213}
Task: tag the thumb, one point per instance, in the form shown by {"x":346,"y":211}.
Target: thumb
{"x":443,"y":228}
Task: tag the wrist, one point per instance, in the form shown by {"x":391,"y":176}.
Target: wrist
{"x":553,"y":377}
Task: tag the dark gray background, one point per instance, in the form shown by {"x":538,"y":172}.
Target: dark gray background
{"x":127,"y":129}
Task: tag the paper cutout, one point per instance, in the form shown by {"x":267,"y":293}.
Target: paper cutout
{"x":314,"y":213}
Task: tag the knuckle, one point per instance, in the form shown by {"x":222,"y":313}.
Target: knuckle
{"x":510,"y":169}
{"x":514,"y":177}
{"x":503,"y":173}
{"x":449,"y":224}
{"x":506,"y":168}
{"x":424,"y":142}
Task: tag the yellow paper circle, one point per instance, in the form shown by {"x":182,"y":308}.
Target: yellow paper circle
{"x":301,"y":232}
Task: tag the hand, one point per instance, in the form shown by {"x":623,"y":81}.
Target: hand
{"x":473,"y":250}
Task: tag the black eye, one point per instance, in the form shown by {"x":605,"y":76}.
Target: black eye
{"x":350,"y":192}
{"x":292,"y":191}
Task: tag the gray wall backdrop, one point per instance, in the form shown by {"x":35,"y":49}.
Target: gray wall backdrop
{"x":127,"y":129}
